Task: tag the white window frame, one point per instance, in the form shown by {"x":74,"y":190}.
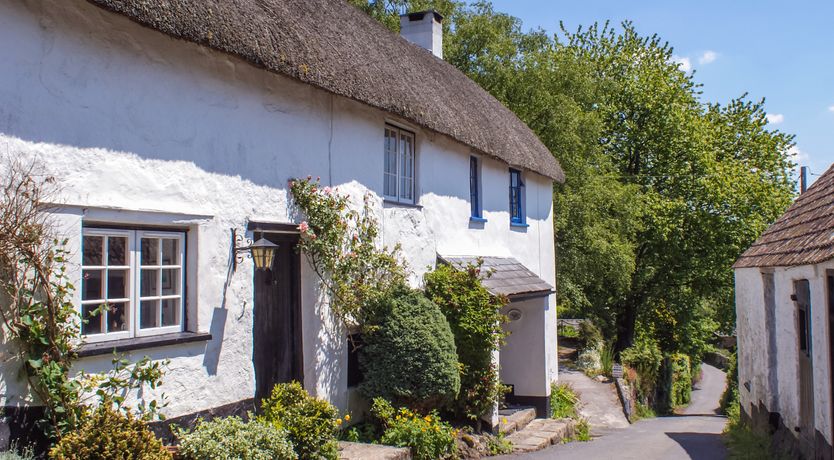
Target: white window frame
{"x":133,"y":253}
{"x":403,"y":159}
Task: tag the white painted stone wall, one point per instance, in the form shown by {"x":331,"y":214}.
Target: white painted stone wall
{"x":753,"y":333}
{"x":139,"y":127}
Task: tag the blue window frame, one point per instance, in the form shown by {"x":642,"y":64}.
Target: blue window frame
{"x":474,"y":187}
{"x":516,"y":197}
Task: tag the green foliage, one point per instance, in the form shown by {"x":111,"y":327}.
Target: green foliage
{"x":39,"y":315}
{"x":475,"y":319}
{"x":568,"y":332}
{"x":107,"y":434}
{"x":743,"y":442}
{"x":428,"y":437}
{"x":663,"y":191}
{"x":231,"y":438}
{"x":681,"y":380}
{"x":583,"y":431}
{"x":341,"y":245}
{"x":310,"y":423}
{"x":590,"y":337}
{"x":645,"y":358}
{"x":409,"y":354}
{"x":606,"y":359}
{"x":563,"y":401}
{"x":642,"y":411}
{"x":729,"y":399}
{"x":498,"y":444}
{"x":15,"y":453}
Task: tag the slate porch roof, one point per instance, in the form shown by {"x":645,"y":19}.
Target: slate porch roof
{"x":509,"y":276}
{"x":803,"y":235}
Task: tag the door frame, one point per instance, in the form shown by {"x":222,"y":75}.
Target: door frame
{"x":805,"y":357}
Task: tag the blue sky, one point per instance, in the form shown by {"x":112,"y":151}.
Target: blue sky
{"x":780,"y":50}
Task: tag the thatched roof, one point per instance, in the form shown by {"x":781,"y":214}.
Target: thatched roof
{"x":503,"y":276}
{"x":336,"y":47}
{"x":804,"y":235}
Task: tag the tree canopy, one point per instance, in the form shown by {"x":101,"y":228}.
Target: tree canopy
{"x":663,"y":191}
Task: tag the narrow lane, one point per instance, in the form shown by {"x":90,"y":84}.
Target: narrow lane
{"x":684,"y":436}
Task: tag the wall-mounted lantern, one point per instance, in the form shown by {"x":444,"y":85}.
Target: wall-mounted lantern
{"x":262,"y":251}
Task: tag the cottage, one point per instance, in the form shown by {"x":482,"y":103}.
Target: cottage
{"x":785,"y":309}
{"x":174,"y":127}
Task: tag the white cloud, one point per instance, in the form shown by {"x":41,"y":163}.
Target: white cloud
{"x":775,"y":118}
{"x":708,"y":57}
{"x":798,"y":155}
{"x":831,"y":108}
{"x":685,"y":63}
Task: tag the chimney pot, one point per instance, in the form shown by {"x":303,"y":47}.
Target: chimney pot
{"x":424,"y":29}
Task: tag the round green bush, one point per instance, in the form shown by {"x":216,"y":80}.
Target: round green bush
{"x":231,"y":438}
{"x":110,"y":435}
{"x":409,"y":355}
{"x":309,"y":422}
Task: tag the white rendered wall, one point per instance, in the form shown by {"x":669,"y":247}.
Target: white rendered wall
{"x":131,"y":120}
{"x":752,"y":342}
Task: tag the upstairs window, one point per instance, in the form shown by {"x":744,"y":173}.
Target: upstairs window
{"x":475,"y":187}
{"x":399,"y":165}
{"x":516,"y":198}
{"x":132,"y":283}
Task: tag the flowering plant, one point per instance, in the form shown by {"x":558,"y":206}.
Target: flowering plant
{"x":341,"y":245}
{"x":427,"y":435}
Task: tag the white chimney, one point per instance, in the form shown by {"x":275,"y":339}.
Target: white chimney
{"x":424,"y":29}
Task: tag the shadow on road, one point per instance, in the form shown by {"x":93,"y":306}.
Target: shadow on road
{"x":699,"y":445}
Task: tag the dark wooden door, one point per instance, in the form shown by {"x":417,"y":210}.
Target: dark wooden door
{"x":802,"y":296}
{"x":277,"y":345}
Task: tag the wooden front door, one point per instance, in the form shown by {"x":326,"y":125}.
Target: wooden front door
{"x":802,"y":296}
{"x":277,"y":345}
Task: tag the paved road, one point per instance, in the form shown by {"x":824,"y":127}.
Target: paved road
{"x":599,"y":401}
{"x":696,"y":437}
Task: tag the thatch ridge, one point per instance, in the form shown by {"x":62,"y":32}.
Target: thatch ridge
{"x":334,"y":46}
{"x":803,"y":235}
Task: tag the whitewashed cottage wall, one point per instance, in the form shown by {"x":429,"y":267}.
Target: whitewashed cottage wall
{"x":139,"y":127}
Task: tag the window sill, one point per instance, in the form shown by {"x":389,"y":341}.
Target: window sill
{"x":386,"y":201}
{"x":477,"y":220}
{"x":517,"y":225}
{"x":138,"y":343}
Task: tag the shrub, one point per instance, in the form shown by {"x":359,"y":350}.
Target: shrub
{"x":232,"y":438}
{"x":729,"y":400}
{"x":589,"y":360}
{"x":563,"y":401}
{"x":645,"y":358}
{"x":14,"y":453}
{"x":110,"y":435}
{"x":589,"y":335}
{"x":681,"y":380}
{"x":309,"y":422}
{"x":475,"y":318}
{"x":567,"y":331}
{"x":409,"y":354}
{"x":427,"y":436}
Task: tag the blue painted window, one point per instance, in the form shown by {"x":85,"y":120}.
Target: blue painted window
{"x":474,"y":187}
{"x":516,"y":197}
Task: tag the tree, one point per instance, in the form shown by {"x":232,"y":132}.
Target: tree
{"x":663,"y":190}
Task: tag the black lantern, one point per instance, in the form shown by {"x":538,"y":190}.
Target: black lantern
{"x":262,"y":251}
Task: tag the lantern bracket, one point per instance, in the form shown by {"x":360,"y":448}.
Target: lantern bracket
{"x":262,"y":252}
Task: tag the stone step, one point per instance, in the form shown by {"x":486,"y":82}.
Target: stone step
{"x":515,"y":419}
{"x":361,"y":451}
{"x":541,"y":433}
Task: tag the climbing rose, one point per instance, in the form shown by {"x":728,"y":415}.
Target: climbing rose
{"x":303,"y":227}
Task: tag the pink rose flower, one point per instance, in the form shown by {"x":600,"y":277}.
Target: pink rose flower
{"x":303,"y":227}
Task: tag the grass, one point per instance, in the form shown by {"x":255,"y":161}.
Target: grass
{"x":642,"y":411}
{"x":563,"y":401}
{"x":606,"y":359}
{"x":15,"y":453}
{"x":742,"y":442}
{"x":567,"y":332}
{"x":583,"y":431}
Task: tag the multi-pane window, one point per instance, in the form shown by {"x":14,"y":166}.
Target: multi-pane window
{"x":132,"y":283}
{"x":399,"y":165}
{"x":475,"y":187}
{"x":516,"y":197}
